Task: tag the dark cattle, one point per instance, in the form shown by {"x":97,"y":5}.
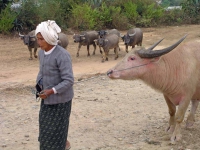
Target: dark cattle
{"x":175,"y":73}
{"x":102,"y":33}
{"x":31,"y":41}
{"x":63,"y":40}
{"x":132,"y":38}
{"x":86,"y":38}
{"x":108,"y":42}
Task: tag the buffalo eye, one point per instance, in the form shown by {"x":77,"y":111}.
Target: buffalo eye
{"x":131,"y":58}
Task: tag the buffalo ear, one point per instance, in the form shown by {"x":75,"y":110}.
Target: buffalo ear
{"x":156,"y":59}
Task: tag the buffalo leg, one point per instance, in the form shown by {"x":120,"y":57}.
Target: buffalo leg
{"x":100,"y":50}
{"x":183,"y":105}
{"x":35,"y":51}
{"x":191,"y":117}
{"x":30,"y":51}
{"x":116,"y":52}
{"x":94,"y":48}
{"x":106,"y":53}
{"x":79,"y":47}
{"x":88,"y":50}
{"x":172,"y":111}
{"x":103,"y":56}
{"x":127,"y":48}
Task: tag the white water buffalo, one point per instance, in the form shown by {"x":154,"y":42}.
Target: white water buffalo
{"x":132,"y":38}
{"x":173,"y":71}
{"x":108,"y":42}
{"x":86,"y":38}
{"x":102,"y":33}
{"x":31,"y":41}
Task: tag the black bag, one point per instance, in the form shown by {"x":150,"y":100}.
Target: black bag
{"x":38,"y":90}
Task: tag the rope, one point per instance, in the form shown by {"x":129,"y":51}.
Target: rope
{"x":131,"y":67}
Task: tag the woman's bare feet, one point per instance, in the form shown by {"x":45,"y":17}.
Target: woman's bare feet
{"x":68,"y":145}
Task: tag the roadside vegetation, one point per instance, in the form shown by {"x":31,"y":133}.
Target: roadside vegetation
{"x":24,"y":15}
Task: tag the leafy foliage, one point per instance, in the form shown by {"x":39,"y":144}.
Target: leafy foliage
{"x":84,"y":17}
{"x":3,"y":4}
{"x":28,"y":15}
{"x":51,"y":10}
{"x":191,"y":9}
{"x":105,"y":18}
{"x":173,"y":17}
{"x":97,"y":14}
{"x":130,"y":11}
{"x":6,"y":20}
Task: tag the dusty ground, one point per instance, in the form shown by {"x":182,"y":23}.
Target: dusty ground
{"x":106,"y":114}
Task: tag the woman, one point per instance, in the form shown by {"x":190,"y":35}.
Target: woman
{"x":56,"y":79}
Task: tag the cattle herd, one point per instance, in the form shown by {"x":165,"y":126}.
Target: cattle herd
{"x":174,"y":71}
{"x":104,"y":39}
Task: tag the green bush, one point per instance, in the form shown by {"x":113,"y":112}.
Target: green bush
{"x":150,"y":15}
{"x":130,"y":11}
{"x":84,"y":17}
{"x":7,"y":18}
{"x":105,"y":17}
{"x":52,"y":10}
{"x":191,"y":11}
{"x":172,"y":17}
{"x":119,"y":20}
{"x":28,"y":15}
{"x":98,"y":14}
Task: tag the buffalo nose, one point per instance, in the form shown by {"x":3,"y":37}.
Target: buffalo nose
{"x":109,"y":72}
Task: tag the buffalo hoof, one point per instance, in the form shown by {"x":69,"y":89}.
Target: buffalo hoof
{"x":106,"y":59}
{"x":103,"y":61}
{"x":189,"y":124}
{"x":77,"y":55}
{"x":35,"y":56}
{"x":30,"y":58}
{"x":175,"y":138}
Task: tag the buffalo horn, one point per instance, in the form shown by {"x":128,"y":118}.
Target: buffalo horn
{"x":132,"y":34}
{"x":154,"y":45}
{"x":21,"y":35}
{"x":143,"y":53}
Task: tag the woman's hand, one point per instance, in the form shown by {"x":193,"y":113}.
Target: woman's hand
{"x":45,"y":93}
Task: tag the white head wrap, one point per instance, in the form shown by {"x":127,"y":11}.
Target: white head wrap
{"x":49,"y":30}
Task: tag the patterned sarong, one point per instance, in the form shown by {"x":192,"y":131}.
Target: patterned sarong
{"x":53,"y":125}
